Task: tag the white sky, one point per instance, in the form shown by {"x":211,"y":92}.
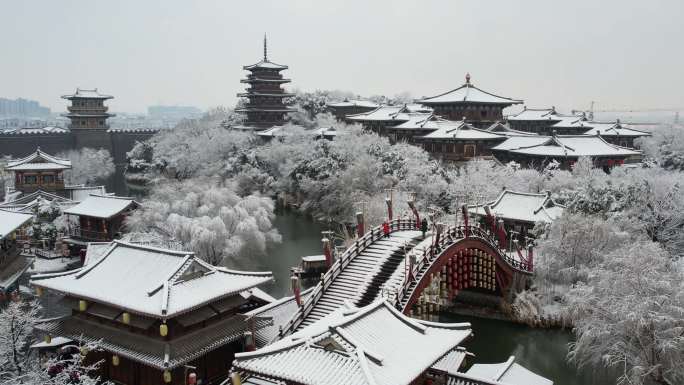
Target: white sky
{"x":621,"y":53}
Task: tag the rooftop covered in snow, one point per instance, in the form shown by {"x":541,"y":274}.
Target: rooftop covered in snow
{"x":468,"y":93}
{"x":39,"y":160}
{"x":150,"y":281}
{"x":519,"y":206}
{"x":102,"y":206}
{"x":86,"y":94}
{"x":353,"y":103}
{"x":10,"y":221}
{"x":461,"y":131}
{"x":375,"y":344}
{"x":614,"y":129}
{"x":564,"y":146}
{"x":505,"y":373}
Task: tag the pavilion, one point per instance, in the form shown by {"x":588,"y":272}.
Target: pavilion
{"x":157,"y":314}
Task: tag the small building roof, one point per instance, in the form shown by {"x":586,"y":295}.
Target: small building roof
{"x":461,"y":130}
{"x":150,"y":281}
{"x":571,"y":121}
{"x":353,"y":103}
{"x":520,"y":206}
{"x":10,"y":221}
{"x":507,"y":373}
{"x":374,"y":345}
{"x":614,"y":129}
{"x":572,"y":146}
{"x":519,"y":141}
{"x":468,"y":93}
{"x":420,"y":121}
{"x":325,"y":131}
{"x":35,"y":131}
{"x":80,"y":192}
{"x":535,"y":114}
{"x":265,"y":64}
{"x":86,"y":94}
{"x":382,"y":113}
{"x":505,"y":129}
{"x":102,"y":206}
{"x":26,"y":203}
{"x":39,"y":160}
{"x":279,"y":312}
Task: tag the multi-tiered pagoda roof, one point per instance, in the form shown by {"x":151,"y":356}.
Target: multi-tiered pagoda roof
{"x":265,"y":107}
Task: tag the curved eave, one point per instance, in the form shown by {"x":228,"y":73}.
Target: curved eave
{"x":73,"y":97}
{"x":502,"y":103}
{"x":248,"y":94}
{"x":261,"y":80}
{"x":103,"y":115}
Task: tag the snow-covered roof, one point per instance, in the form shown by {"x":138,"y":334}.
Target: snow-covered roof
{"x":10,"y":221}
{"x":570,"y":146}
{"x":39,"y":160}
{"x":265,"y":64}
{"x":27,"y":202}
{"x":313,"y":258}
{"x":382,"y":113}
{"x":421,"y":121}
{"x":505,"y":129}
{"x":87,"y":94}
{"x":102,"y":206}
{"x":613,"y":129}
{"x":461,"y":131}
{"x":452,"y":361}
{"x":571,"y":121}
{"x":545,"y":114}
{"x":79,"y":193}
{"x":519,"y":206}
{"x":271,"y":132}
{"x":375,"y":344}
{"x":519,"y":141}
{"x":353,"y":103}
{"x":507,"y":373}
{"x":150,"y":281}
{"x":35,"y":130}
{"x":54,"y":342}
{"x":278,"y":312}
{"x":468,"y":93}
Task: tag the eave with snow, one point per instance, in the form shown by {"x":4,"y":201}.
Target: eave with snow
{"x":12,"y":264}
{"x":471,"y":103}
{"x":155,"y":309}
{"x":459,"y":141}
{"x":520,"y":211}
{"x":531,"y":151}
{"x":98,"y":218}
{"x":39,"y":171}
{"x":381,"y":119}
{"x":374,"y":345}
{"x":349,"y":107}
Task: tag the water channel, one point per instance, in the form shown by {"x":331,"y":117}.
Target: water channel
{"x":540,"y":350}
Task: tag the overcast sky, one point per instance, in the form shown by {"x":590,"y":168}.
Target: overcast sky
{"x":565,"y":53}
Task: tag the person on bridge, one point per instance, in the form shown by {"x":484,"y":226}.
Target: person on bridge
{"x":385,"y":229}
{"x":423,"y":226}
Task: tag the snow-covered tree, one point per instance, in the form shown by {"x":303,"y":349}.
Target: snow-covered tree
{"x":209,"y":219}
{"x":89,"y":165}
{"x":17,"y":321}
{"x":631,"y":316}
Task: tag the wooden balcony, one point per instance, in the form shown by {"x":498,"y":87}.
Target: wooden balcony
{"x":88,"y":235}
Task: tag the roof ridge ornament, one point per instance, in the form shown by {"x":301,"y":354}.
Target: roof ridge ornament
{"x":265,"y":49}
{"x":467,"y":78}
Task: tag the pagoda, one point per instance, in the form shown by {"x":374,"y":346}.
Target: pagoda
{"x":265,"y":107}
{"x":87,"y":110}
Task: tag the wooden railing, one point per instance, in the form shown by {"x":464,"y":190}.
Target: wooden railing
{"x":338,"y":266}
{"x":78,"y":232}
{"x":432,"y":253}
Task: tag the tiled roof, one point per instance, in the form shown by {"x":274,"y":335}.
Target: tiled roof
{"x":278,"y":313}
{"x":508,"y":373}
{"x":266,"y":64}
{"x":11,"y":221}
{"x":461,"y":131}
{"x":90,"y":94}
{"x":150,"y":281}
{"x":374,"y":345}
{"x":519,"y":206}
{"x":614,"y":129}
{"x":353,"y":103}
{"x":573,"y":146}
{"x":468,"y":93}
{"x":39,"y":160}
{"x":102,"y":206}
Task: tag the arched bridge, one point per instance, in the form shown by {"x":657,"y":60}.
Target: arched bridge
{"x":411,"y":271}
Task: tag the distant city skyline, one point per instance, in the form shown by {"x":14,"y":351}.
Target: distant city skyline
{"x":621,"y":54}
